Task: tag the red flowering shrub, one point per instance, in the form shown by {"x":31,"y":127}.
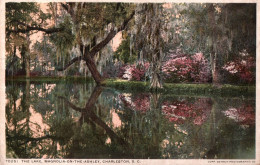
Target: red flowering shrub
{"x":180,"y":111}
{"x":187,"y":69}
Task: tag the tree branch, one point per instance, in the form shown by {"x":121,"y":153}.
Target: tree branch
{"x":28,"y":28}
{"x":110,"y":36}
{"x":31,"y":28}
{"x":30,"y":138}
{"x":70,"y":63}
{"x":65,"y":6}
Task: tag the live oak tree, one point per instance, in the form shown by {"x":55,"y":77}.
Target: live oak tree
{"x":95,"y":25}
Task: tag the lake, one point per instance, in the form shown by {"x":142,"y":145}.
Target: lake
{"x":69,"y":119}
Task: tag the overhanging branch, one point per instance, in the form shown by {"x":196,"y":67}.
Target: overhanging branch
{"x":70,"y":63}
{"x":100,"y":45}
{"x":31,"y":28}
{"x":28,"y":28}
{"x":110,"y":36}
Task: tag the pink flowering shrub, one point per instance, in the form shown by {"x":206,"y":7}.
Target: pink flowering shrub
{"x":242,"y":68}
{"x":181,"y":111}
{"x":187,"y":69}
{"x":133,"y":72}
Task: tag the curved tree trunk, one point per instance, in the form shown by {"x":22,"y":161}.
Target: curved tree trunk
{"x":93,"y":69}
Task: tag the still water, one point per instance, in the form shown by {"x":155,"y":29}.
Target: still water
{"x":79,"y":120}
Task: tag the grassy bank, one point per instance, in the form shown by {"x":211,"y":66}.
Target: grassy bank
{"x":169,"y":88}
{"x":184,"y":89}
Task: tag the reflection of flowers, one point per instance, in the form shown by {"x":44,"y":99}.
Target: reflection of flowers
{"x":244,"y":114}
{"x":179,"y":111}
{"x":139,"y":102}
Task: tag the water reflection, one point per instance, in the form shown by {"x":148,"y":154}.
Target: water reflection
{"x":78,"y":120}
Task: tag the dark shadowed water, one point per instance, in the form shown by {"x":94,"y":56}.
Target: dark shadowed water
{"x":77,"y":120}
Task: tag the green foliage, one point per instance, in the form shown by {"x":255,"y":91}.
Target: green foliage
{"x":123,"y":52}
{"x":94,"y":18}
{"x":20,"y":12}
{"x":193,"y":29}
{"x":65,"y":38}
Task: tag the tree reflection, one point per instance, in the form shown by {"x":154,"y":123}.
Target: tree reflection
{"x":87,"y":115}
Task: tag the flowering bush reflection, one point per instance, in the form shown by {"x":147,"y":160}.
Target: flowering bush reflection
{"x":179,"y":111}
{"x":138,"y":102}
{"x":245,"y":114}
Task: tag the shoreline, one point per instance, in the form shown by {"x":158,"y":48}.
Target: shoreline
{"x":168,"y":88}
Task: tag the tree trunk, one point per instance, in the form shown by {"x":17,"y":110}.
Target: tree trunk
{"x":215,"y":55}
{"x":155,"y":82}
{"x":216,"y":77}
{"x":93,"y":70}
{"x":23,"y":56}
{"x":27,"y":65}
{"x":149,"y":25}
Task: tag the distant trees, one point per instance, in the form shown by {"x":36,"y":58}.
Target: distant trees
{"x":220,"y":31}
{"x":22,"y":20}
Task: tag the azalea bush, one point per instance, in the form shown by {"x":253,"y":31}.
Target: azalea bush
{"x":193,"y":68}
{"x":241,"y":69}
{"x":134,"y":71}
